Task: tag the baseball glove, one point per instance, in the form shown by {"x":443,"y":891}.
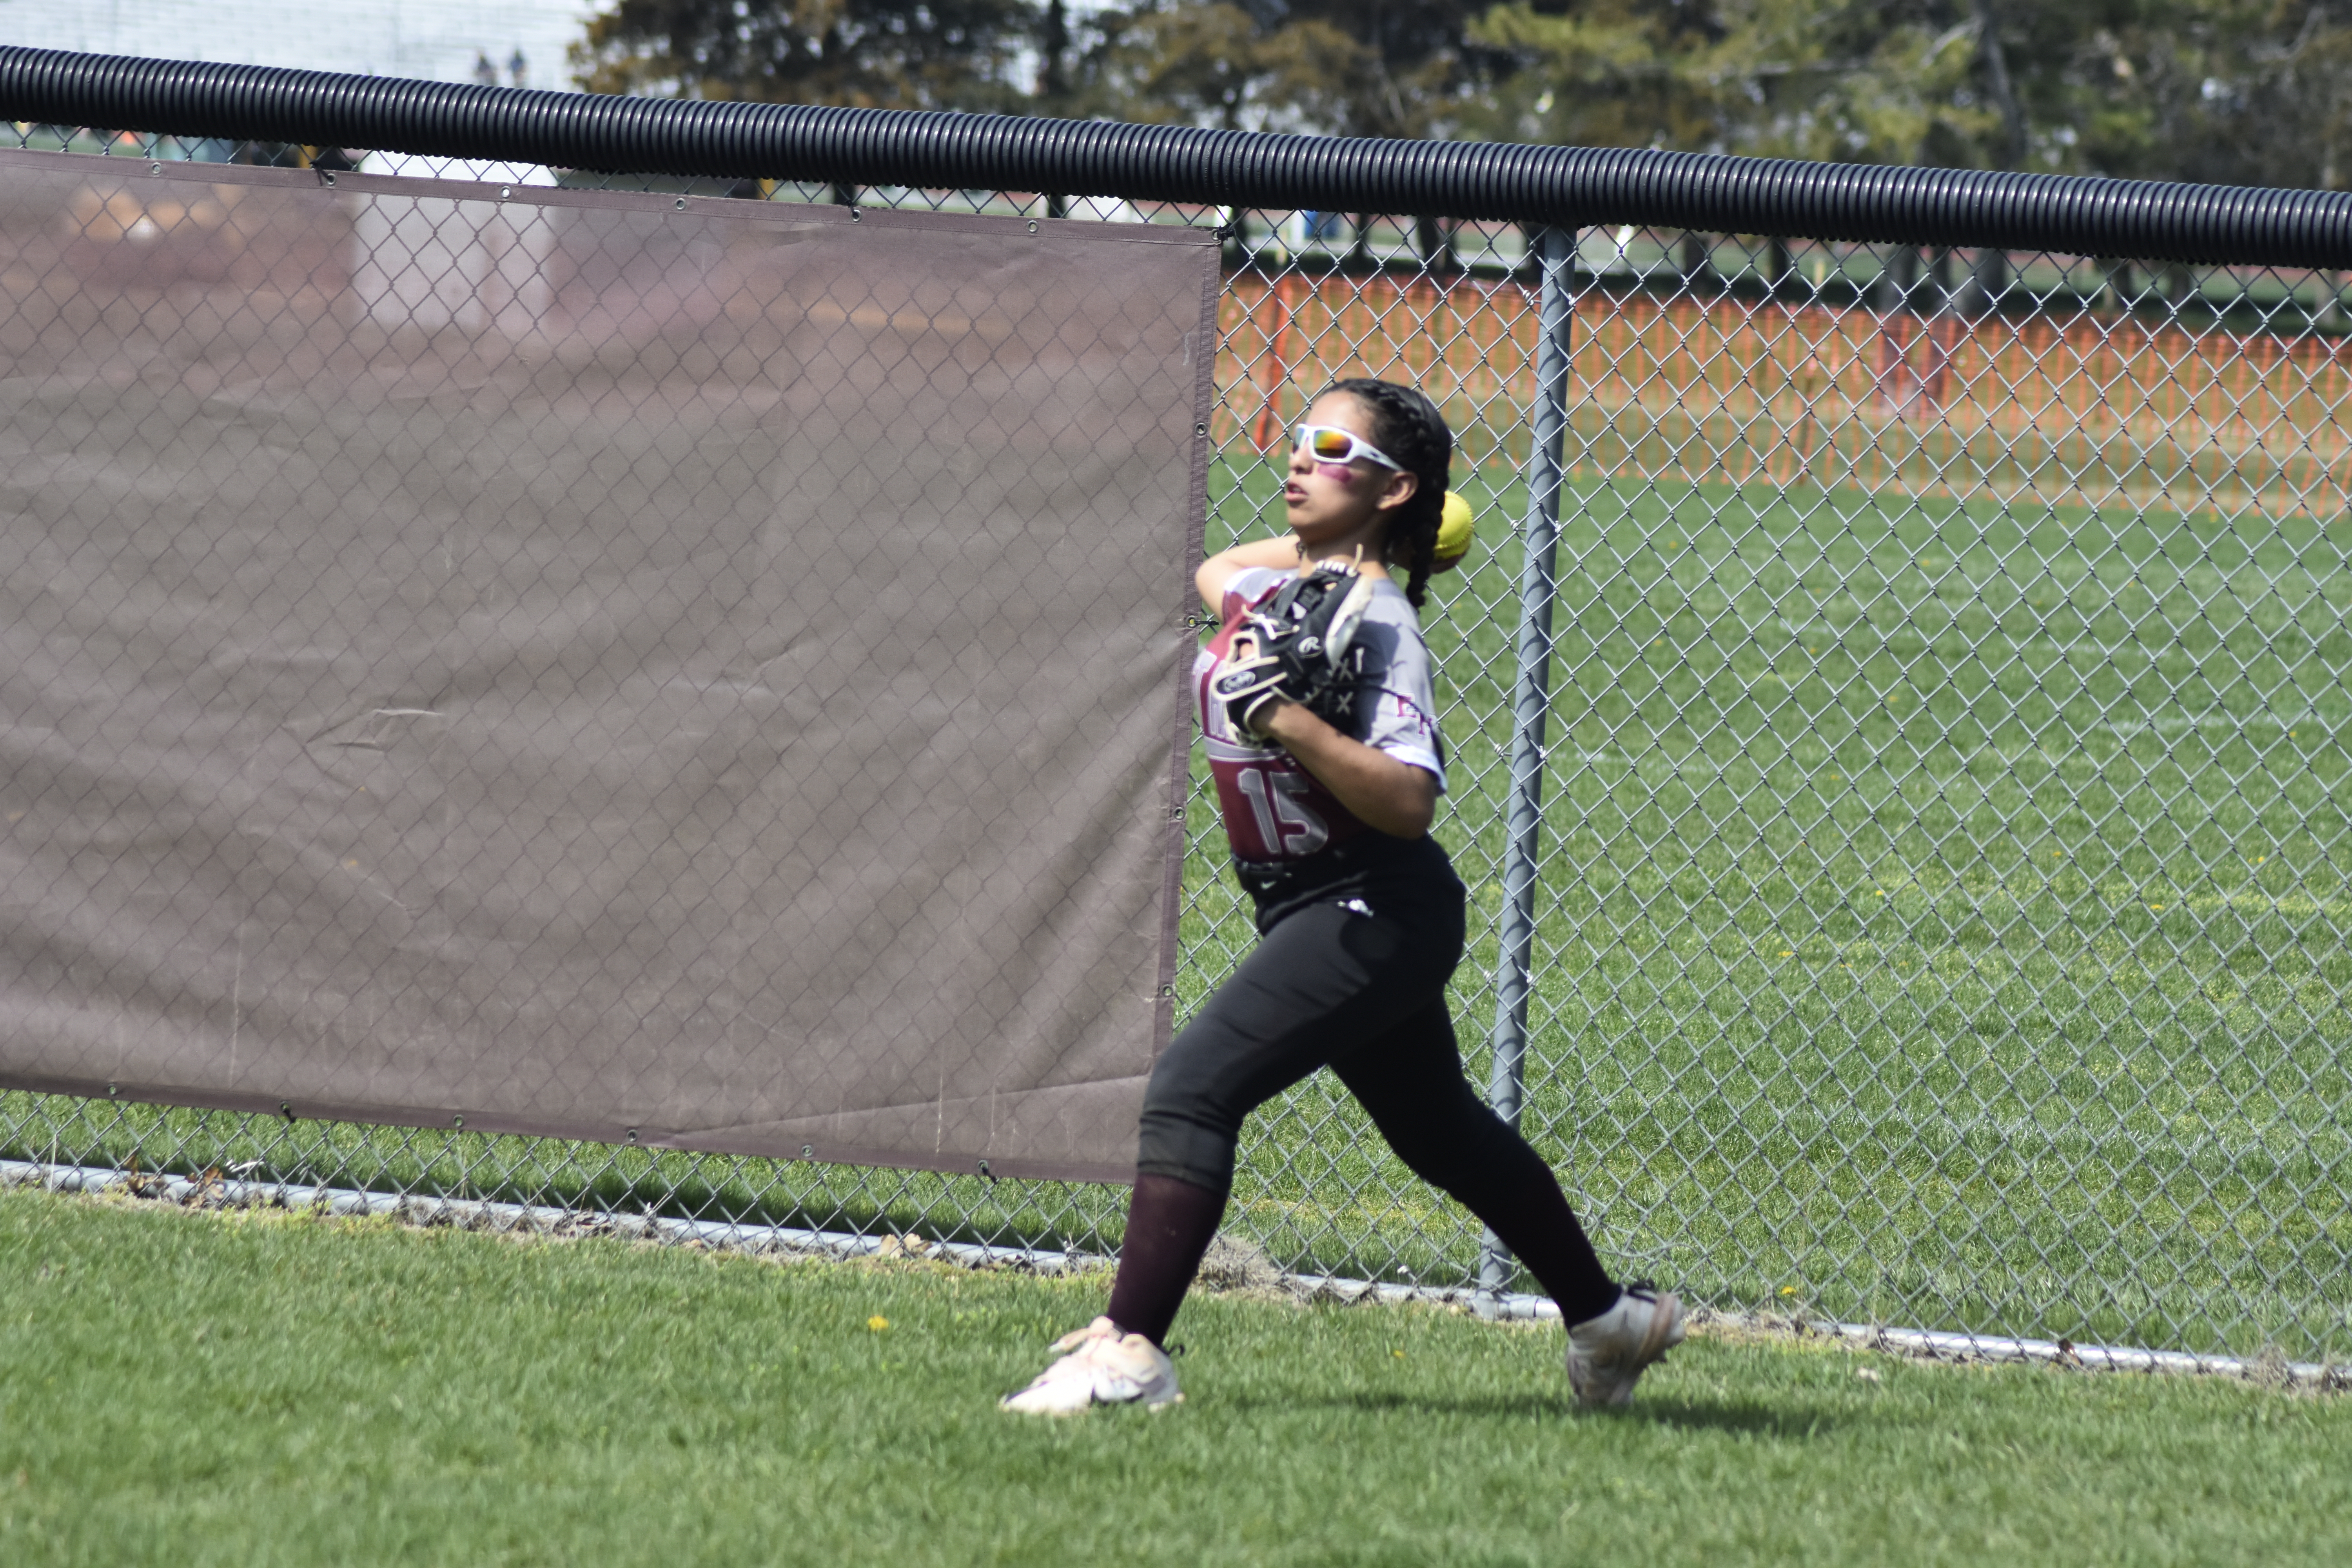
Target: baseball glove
{"x":1300,"y":645}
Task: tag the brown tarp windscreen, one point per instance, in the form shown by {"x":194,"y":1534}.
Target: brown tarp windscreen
{"x":595,"y":665}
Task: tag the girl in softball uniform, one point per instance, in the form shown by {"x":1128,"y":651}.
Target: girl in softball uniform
{"x":1360,"y":918}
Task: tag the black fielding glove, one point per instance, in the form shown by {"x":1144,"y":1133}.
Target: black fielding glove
{"x":1305,"y":649}
{"x":1249,"y":688}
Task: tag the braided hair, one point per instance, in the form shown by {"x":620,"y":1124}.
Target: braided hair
{"x":1407,"y":427}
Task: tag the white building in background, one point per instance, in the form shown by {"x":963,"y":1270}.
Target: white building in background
{"x":442,"y":40}
{"x":438,"y":40}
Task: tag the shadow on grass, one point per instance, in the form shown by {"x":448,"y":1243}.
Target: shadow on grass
{"x":1748,"y":1417}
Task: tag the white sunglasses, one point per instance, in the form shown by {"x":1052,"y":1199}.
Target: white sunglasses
{"x":1330,"y":443}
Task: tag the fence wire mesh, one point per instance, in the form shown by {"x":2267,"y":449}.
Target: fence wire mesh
{"x":1942,"y":899}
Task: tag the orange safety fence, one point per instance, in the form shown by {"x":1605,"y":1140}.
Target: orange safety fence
{"x":2085,"y":410}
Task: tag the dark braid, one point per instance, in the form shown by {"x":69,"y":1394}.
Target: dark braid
{"x":1407,"y":427}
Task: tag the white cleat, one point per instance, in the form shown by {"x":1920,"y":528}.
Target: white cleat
{"x":1606,"y":1355}
{"x":1099,"y":1365}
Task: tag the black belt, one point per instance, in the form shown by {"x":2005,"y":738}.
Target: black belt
{"x":1270,"y":879}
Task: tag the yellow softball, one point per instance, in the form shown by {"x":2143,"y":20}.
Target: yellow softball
{"x":1454,"y":531}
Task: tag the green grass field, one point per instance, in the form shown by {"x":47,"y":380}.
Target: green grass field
{"x":255,"y":1388}
{"x":1945,"y":916}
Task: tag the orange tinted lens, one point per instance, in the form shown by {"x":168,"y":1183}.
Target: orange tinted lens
{"x":1331,"y":445}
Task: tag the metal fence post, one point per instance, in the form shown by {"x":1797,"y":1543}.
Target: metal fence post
{"x":1531,"y":697}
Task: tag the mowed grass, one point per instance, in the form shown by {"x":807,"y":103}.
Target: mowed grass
{"x":1944,"y":917}
{"x":1943,"y":914}
{"x":261,"y":1388}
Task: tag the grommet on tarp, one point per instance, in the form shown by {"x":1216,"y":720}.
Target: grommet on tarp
{"x":458,"y":1122}
{"x":632,"y":1134}
{"x":286,"y":1110}
{"x":681,"y":204}
{"x":808,"y":1150}
{"x":986,"y":1171}
{"x":112,"y":1091}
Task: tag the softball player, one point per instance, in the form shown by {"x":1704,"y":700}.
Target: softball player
{"x":1316,"y":700}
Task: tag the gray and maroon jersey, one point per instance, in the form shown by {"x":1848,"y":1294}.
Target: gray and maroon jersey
{"x":1276,"y":810}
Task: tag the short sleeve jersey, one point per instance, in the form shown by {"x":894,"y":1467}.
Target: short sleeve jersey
{"x":1274,"y":810}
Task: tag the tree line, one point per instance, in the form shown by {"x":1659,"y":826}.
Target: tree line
{"x":2233,"y":91}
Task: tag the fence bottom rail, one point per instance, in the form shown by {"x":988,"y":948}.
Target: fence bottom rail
{"x":774,"y":1240}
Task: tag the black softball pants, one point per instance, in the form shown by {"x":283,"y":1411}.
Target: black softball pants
{"x":1357,"y":983}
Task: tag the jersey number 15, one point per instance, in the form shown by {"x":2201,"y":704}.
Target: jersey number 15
{"x":1277,"y":798}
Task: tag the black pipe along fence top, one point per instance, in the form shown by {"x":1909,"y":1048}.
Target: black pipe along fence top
{"x":1712,"y":193}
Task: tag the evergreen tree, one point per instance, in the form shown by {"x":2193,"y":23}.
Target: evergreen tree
{"x":889,"y":54}
{"x":1371,"y":67}
{"x":2246,"y":91}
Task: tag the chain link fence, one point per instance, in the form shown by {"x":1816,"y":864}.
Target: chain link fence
{"x":1941,"y":897}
